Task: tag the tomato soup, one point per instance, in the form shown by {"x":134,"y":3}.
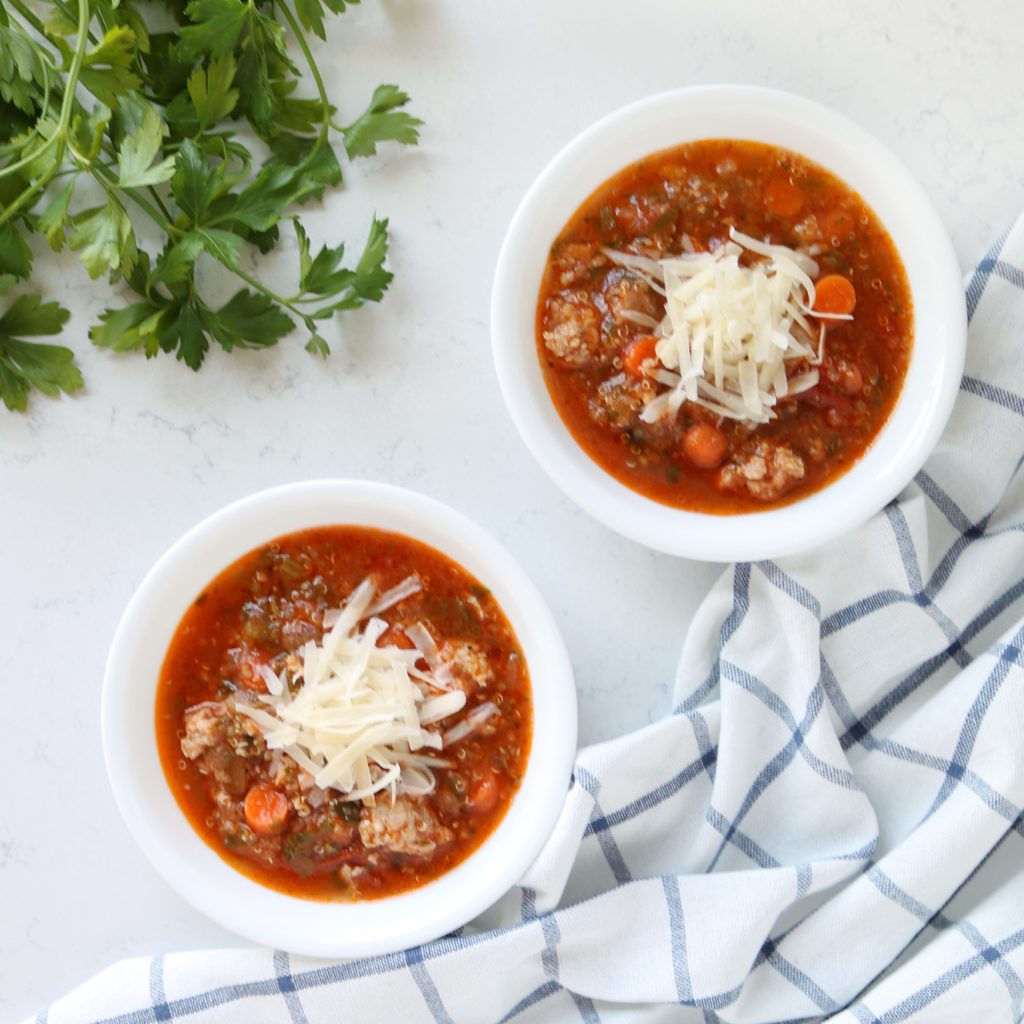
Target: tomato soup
{"x":400,"y":642}
{"x":603,"y":317}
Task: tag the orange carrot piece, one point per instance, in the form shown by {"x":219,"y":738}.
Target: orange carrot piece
{"x":834,"y":294}
{"x":637,"y":353}
{"x":705,"y":445}
{"x":267,"y":810}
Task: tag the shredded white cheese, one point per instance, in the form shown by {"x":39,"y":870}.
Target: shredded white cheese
{"x":358,"y":722}
{"x":473,"y":720}
{"x":732,"y":334}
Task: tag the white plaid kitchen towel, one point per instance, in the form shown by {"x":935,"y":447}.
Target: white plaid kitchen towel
{"x":827,"y":827}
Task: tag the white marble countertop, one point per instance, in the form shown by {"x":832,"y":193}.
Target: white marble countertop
{"x":93,"y":489}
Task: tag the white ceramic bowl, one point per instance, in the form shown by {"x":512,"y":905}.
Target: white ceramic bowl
{"x":192,"y":867}
{"x":776,"y":118}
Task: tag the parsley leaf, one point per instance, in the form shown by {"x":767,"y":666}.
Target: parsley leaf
{"x":382,"y":121}
{"x":194,"y":183}
{"x":175,"y":264}
{"x":348,"y":289}
{"x":324,"y":277}
{"x":311,"y":13}
{"x":22,"y":78}
{"x":210,"y":90}
{"x":139,"y":150}
{"x":104,"y":239}
{"x":54,"y":218}
{"x":222,"y":246}
{"x":131,"y":327}
{"x":25,"y":364}
{"x":224,"y":27}
{"x":216,"y":25}
{"x":107,"y":68}
{"x":248,"y":320}
{"x":15,"y":254}
{"x":187,"y":332}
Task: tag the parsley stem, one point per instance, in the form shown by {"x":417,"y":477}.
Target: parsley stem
{"x":264,"y":290}
{"x":84,"y":17}
{"x":325,"y":103}
{"x":29,"y":15}
{"x":69,"y":13}
{"x":59,"y":138}
{"x":24,"y":162}
{"x":165,"y":225}
{"x":159,"y":202}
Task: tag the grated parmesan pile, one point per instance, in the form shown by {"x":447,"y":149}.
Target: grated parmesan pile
{"x":732,"y":335}
{"x":360,"y":721}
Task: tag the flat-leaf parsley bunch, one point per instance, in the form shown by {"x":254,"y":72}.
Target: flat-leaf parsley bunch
{"x":108,"y":125}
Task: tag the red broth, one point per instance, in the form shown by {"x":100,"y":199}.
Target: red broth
{"x":252,"y":805}
{"x":590,"y":348}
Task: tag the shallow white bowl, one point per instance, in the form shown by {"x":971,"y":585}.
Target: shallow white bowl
{"x":780,"y":119}
{"x":192,"y":867}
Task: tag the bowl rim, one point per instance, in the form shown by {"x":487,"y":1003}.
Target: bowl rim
{"x":864,"y":164}
{"x":194,"y":869}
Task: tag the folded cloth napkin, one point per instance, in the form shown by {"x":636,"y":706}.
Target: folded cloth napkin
{"x":827,"y":826}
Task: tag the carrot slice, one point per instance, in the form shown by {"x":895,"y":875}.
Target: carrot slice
{"x":266,"y":810}
{"x":705,"y":445}
{"x":834,"y":294}
{"x":782,"y":198}
{"x":638,"y":353}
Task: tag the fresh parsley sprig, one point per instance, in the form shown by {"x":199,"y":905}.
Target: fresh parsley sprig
{"x":30,"y":364}
{"x":113,"y":134}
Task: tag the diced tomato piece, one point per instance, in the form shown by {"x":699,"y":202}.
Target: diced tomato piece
{"x":782,"y":197}
{"x":483,"y":796}
{"x":393,"y":636}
